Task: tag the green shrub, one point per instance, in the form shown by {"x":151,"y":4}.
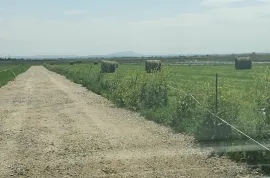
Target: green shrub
{"x":159,"y":115}
{"x":186,"y":115}
{"x":212,"y":129}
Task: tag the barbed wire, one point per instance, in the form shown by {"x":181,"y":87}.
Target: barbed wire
{"x":10,"y":71}
{"x":202,"y":106}
{"x":4,"y":70}
{"x":224,"y":121}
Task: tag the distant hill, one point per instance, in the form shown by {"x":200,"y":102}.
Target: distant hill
{"x":125,"y":54}
{"x":117,"y":54}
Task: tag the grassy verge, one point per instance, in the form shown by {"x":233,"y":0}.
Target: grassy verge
{"x":152,"y":95}
{"x":9,"y":72}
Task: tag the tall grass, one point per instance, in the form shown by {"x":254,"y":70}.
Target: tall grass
{"x":152,"y":96}
{"x":9,"y":72}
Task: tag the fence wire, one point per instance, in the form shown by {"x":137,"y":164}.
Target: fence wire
{"x":202,"y":106}
{"x":8,"y":70}
{"x":224,"y":121}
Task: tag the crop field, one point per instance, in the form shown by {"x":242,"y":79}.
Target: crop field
{"x":243,"y":83}
{"x":243,"y":86}
{"x":10,"y":71}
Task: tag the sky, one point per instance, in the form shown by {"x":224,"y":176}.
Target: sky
{"x":96,"y":27}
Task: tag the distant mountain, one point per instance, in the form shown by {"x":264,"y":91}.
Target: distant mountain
{"x":125,"y":54}
{"x":54,"y":56}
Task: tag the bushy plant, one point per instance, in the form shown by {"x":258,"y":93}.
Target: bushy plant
{"x":186,"y":115}
{"x":153,"y":91}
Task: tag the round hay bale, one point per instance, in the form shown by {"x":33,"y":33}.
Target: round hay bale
{"x":108,"y":66}
{"x":243,"y":63}
{"x":152,"y":65}
{"x":116,"y":64}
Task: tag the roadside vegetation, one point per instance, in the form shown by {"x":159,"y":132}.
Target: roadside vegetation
{"x":167,"y":97}
{"x":9,"y":71}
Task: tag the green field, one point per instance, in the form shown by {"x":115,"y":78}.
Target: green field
{"x":191,"y":77}
{"x":165,"y":97}
{"x":244,"y":86}
{"x":10,"y":71}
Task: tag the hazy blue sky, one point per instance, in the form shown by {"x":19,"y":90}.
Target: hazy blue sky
{"x":85,"y":27}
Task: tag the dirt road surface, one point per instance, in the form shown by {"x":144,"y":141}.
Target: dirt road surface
{"x":51,"y":127}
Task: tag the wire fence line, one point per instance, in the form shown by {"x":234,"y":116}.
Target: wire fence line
{"x":213,"y":114}
{"x":203,"y":107}
{"x":224,"y":121}
{"x":4,"y":70}
{"x":10,"y":71}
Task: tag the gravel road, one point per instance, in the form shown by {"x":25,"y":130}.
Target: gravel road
{"x":51,"y":127}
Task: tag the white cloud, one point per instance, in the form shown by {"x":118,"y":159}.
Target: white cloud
{"x":75,"y":12}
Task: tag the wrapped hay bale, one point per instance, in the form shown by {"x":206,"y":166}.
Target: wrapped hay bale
{"x":71,"y":62}
{"x":243,"y":63}
{"x":116,"y":64}
{"x":152,"y":65}
{"x":108,"y":66}
{"x":77,"y":62}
